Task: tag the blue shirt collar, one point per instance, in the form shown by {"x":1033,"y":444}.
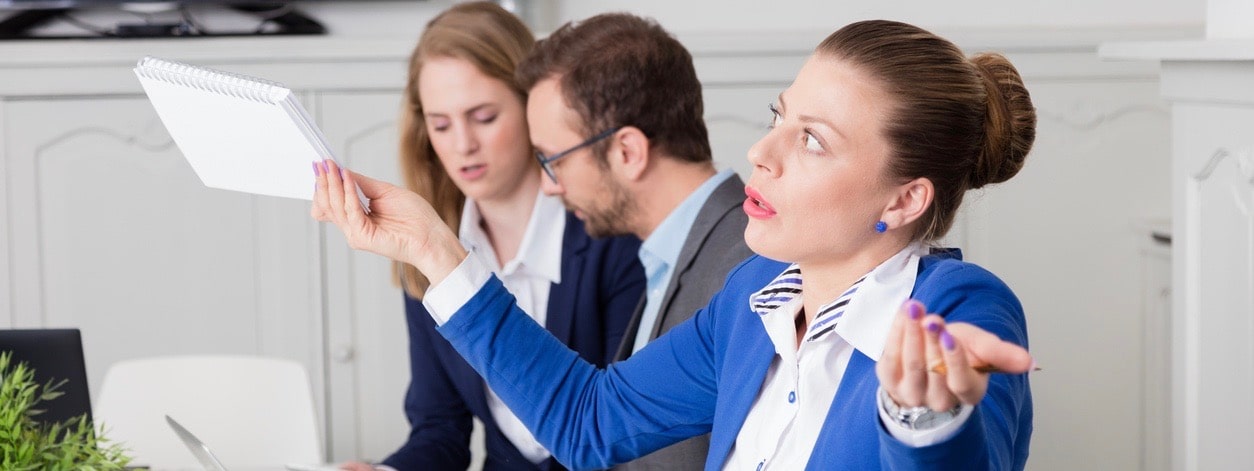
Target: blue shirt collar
{"x":665,"y":243}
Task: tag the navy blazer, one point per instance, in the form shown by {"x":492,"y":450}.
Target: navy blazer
{"x":588,"y":311}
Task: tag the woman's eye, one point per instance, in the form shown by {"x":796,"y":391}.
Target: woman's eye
{"x":812,"y":144}
{"x":486,"y":119}
{"x":776,"y":119}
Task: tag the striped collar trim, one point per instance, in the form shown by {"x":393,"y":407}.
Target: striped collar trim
{"x":862,"y":315}
{"x":787,"y":286}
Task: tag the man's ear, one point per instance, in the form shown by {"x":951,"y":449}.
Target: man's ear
{"x":910,"y":202}
{"x":629,"y":153}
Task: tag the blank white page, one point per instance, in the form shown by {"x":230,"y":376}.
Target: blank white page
{"x":233,"y":140}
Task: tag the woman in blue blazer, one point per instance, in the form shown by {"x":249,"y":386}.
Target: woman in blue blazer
{"x":464,"y":147}
{"x":820,"y":352}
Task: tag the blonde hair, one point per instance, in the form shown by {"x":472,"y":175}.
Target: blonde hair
{"x":494,"y":41}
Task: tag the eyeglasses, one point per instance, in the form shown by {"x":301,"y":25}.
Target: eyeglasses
{"x":546,"y":163}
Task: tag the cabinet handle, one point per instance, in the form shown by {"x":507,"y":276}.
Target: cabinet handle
{"x":343,"y":354}
{"x":1161,"y":238}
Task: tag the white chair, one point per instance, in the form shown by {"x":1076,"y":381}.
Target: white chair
{"x":253,"y":412}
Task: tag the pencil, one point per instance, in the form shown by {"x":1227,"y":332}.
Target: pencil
{"x":940,"y":368}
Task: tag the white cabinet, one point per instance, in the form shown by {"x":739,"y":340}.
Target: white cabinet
{"x":1214,"y":177}
{"x":1065,"y":235}
{"x":106,"y":228}
{"x":110,"y":231}
{"x":1212,"y":105}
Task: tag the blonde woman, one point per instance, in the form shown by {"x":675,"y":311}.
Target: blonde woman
{"x":465,"y":148}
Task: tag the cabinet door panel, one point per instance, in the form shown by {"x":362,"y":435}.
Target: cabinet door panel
{"x":1214,"y":178}
{"x":1065,"y":234}
{"x":369,"y":368}
{"x":113,"y":233}
{"x":6,"y":266}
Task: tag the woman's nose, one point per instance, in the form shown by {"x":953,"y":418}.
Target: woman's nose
{"x":465,"y":140}
{"x":760,"y":153}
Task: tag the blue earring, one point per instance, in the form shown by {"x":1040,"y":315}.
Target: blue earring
{"x":881,"y":226}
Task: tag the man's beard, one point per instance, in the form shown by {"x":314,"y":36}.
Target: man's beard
{"x":612,"y":219}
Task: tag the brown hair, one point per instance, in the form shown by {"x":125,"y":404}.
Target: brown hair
{"x":494,"y":41}
{"x":961,"y":123}
{"x":618,"y":69}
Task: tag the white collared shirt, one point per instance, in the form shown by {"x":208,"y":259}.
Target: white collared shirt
{"x":534,"y":269}
{"x":788,"y":413}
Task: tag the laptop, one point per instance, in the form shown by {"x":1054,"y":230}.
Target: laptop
{"x":211,"y":463}
{"x":55,"y":355}
{"x":197,"y":447}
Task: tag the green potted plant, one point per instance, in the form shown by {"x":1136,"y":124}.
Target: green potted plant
{"x":28,"y":445}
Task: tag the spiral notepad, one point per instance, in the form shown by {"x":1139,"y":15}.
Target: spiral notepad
{"x":237,"y":132}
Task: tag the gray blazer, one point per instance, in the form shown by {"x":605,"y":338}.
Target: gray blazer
{"x":715,"y":244}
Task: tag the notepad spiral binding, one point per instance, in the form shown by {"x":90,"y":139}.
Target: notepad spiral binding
{"x":215,"y":81}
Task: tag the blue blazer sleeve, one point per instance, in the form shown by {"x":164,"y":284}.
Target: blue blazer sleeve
{"x":997,"y":434}
{"x":440,"y":421}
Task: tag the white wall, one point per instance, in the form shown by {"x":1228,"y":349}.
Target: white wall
{"x":793,"y":15}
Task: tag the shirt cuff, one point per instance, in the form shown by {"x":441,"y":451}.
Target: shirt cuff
{"x":445,"y":299}
{"x":383,"y":467}
{"x":922,"y":438}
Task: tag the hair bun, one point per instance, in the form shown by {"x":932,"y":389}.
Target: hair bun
{"x":1010,"y":126}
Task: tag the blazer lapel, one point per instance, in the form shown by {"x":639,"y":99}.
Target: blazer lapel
{"x":728,"y":196}
{"x":628,"y":343}
{"x":464,"y":376}
{"x":850,"y":428}
{"x":738,"y":388}
{"x":560,"y":319}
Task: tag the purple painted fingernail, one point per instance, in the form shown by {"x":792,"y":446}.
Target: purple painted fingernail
{"x":324,"y":167}
{"x":933,"y":327}
{"x":916,"y":310}
{"x":947,"y":340}
{"x":315,"y":167}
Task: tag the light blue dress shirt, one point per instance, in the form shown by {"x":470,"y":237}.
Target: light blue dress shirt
{"x":660,"y":252}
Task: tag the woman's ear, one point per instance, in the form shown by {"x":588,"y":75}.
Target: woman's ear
{"x":910,"y":202}
{"x":629,"y":153}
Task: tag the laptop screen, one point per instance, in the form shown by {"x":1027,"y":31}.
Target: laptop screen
{"x":54,"y":354}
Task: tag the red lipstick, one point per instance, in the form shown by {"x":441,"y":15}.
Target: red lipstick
{"x":756,"y":206}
